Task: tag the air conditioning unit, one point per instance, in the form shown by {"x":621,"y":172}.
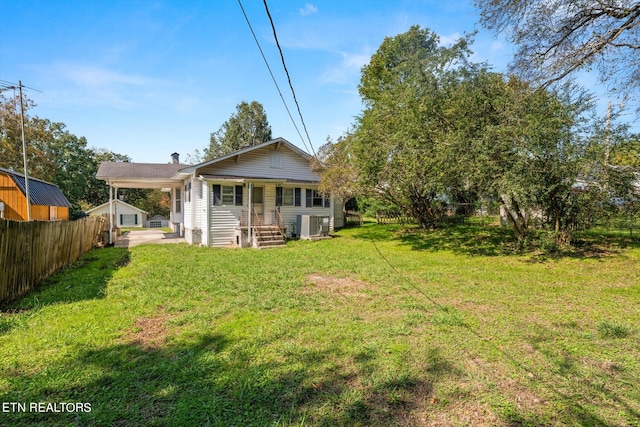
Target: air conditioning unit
{"x":313,"y":226}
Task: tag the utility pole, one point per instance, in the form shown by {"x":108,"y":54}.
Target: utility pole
{"x":4,"y":85}
{"x":24,"y":154}
{"x":608,"y":130}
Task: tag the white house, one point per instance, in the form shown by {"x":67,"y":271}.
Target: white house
{"x":257,"y":196}
{"x":124,"y":214}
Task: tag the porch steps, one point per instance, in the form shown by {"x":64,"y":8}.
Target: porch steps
{"x":270,"y":237}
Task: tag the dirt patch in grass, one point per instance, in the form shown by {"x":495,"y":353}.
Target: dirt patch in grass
{"x":149,"y":332}
{"x":461,"y":413}
{"x":339,"y":286}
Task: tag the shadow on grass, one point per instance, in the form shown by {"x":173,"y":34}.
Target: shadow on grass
{"x":581,"y":392}
{"x":490,"y":240}
{"x":215,"y":380}
{"x":85,"y":279}
{"x":471,"y":240}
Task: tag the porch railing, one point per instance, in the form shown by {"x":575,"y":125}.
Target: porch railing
{"x":279,"y":221}
{"x":256,"y":224}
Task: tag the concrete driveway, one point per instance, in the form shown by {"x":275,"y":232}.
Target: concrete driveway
{"x":149,"y":236}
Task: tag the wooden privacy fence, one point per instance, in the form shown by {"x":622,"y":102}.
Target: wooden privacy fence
{"x":32,"y":251}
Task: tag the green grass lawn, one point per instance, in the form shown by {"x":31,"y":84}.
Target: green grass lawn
{"x":382,"y":325}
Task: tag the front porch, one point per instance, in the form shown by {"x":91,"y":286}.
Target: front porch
{"x":254,"y":231}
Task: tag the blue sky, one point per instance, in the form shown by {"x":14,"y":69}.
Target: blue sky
{"x":149,"y":78}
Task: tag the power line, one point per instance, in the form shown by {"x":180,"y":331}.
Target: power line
{"x":272,"y":76}
{"x":4,"y":84}
{"x":275,"y":36}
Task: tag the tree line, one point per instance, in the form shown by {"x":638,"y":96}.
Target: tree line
{"x":56,"y":155}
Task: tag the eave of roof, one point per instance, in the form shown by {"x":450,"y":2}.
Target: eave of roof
{"x":41,"y":193}
{"x":237,"y":178}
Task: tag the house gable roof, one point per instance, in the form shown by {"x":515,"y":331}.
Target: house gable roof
{"x":41,"y":193}
{"x":115,"y":201}
{"x":277,"y":141}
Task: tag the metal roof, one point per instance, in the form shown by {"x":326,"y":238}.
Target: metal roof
{"x":41,"y":193}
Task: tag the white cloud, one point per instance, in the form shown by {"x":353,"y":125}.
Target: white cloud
{"x":447,"y":40}
{"x":308,"y":9}
{"x":94,"y":76}
{"x":496,"y":46}
{"x":349,"y":68}
{"x":93,"y":85}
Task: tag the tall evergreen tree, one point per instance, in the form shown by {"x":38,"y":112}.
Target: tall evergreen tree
{"x":248,"y":126}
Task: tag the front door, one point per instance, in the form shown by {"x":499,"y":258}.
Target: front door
{"x":257,"y":202}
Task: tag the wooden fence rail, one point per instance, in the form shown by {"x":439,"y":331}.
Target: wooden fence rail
{"x":384,"y":218}
{"x":32,"y":251}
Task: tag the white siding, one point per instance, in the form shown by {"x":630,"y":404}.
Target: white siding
{"x":204,"y":217}
{"x":257,"y":163}
{"x":224,"y":219}
{"x":199,"y":208}
{"x":223,"y":224}
{"x":187,"y":206}
{"x":193,"y":211}
{"x":121,"y":209}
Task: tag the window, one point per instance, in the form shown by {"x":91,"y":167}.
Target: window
{"x":315,"y":199}
{"x":227,"y":195}
{"x":277,"y":160}
{"x":187,"y":192}
{"x":298,"y":197}
{"x":53,"y":213}
{"x":238,"y":195}
{"x":288,"y":196}
{"x":129,"y":219}
{"x":178,"y":201}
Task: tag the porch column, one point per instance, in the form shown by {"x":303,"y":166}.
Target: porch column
{"x":110,"y":214}
{"x":250,"y":215}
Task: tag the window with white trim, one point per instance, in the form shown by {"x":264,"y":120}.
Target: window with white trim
{"x":288,"y":196}
{"x":129,"y":219}
{"x":178,"y":201}
{"x":227,"y":194}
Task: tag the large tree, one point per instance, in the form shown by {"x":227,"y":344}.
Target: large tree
{"x":439,"y":131}
{"x":555,"y":38}
{"x":403,"y":144}
{"x":339,"y":174}
{"x":248,"y":126}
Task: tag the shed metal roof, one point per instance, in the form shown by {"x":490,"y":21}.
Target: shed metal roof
{"x":41,"y":193}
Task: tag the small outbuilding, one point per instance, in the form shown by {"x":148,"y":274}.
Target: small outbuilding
{"x":46,"y":200}
{"x":158,"y":221}
{"x":125,"y":215}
